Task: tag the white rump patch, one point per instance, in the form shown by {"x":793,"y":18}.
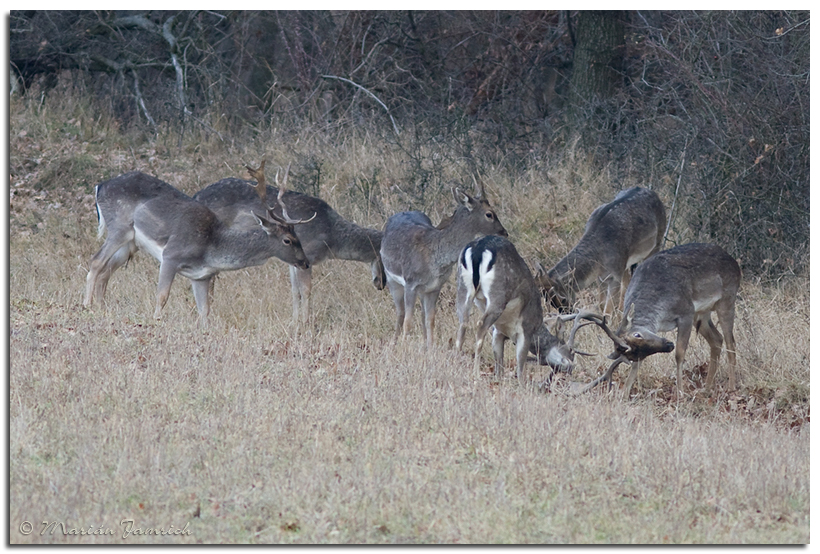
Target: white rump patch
{"x":467,"y":273}
{"x":486,"y":277}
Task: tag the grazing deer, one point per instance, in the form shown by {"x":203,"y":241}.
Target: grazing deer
{"x":495,"y":277}
{"x":142,"y":212}
{"x":418,"y":257}
{"x":678,"y":288}
{"x":327,"y":236}
{"x":617,"y":236}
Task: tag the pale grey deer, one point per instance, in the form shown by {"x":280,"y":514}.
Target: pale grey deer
{"x":493,"y":276}
{"x":327,"y":236}
{"x":617,"y":236}
{"x":678,"y":288}
{"x":141,"y":212}
{"x":418,"y":257}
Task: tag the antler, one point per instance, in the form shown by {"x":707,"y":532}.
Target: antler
{"x":285,"y":217}
{"x":607,"y":376}
{"x":259,"y":175}
{"x":479,"y":188}
{"x":600,"y":321}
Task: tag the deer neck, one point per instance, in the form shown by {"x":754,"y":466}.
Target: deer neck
{"x":576,"y":270}
{"x":451,"y":236}
{"x":352,"y":242}
{"x":235,"y":249}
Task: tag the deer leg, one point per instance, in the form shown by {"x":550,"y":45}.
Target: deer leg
{"x":202,"y":295}
{"x":486,"y":322}
{"x":708,"y":331}
{"x":397,"y":292}
{"x":119,"y":259}
{"x":167,"y":272}
{"x":428,"y":304}
{"x":499,"y":339}
{"x":463,"y":308}
{"x":409,"y":307}
{"x":726,"y":317}
{"x":301,"y":283}
{"x":681,"y":344}
{"x":115,"y":252}
{"x":479,"y":342}
{"x":521,"y":350}
{"x":633,"y":374}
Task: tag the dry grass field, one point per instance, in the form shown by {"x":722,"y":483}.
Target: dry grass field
{"x":243,"y":432}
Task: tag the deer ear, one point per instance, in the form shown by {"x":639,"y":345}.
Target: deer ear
{"x":629,"y":314}
{"x":463,"y":198}
{"x":268,"y":225}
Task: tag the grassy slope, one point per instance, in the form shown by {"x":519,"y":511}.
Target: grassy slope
{"x":249,"y":434}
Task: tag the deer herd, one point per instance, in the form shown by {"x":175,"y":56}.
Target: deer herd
{"x":233,"y":224}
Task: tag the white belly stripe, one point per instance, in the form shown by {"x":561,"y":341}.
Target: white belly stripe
{"x":144,"y":243}
{"x":395,"y":278}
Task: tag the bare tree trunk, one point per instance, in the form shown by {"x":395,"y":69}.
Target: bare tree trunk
{"x":599,"y":52}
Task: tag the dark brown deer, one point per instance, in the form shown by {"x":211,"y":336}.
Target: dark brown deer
{"x":141,"y":212}
{"x":418,"y":257}
{"x":678,"y":289}
{"x":326,"y":236}
{"x":617,"y":236}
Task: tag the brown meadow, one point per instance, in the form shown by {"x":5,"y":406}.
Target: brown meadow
{"x":246,"y":432}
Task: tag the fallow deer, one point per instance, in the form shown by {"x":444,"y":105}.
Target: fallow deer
{"x":678,"y":288}
{"x":418,"y":257}
{"x":617,"y":236}
{"x":327,"y":236}
{"x":493,"y":276}
{"x":141,"y":212}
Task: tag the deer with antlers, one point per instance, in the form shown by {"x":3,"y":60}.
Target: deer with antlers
{"x":493,"y":276}
{"x":326,"y":235}
{"x":140,"y":212}
{"x":678,"y":289}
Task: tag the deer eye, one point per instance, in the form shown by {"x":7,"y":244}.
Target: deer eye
{"x":637,"y":335}
{"x":489,"y":215}
{"x":287,"y":241}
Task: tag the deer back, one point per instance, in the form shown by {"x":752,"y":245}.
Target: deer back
{"x":420,"y":254}
{"x":327,"y":235}
{"x":617,"y":235}
{"x":675,"y":285}
{"x":119,"y":197}
{"x":158,"y":213}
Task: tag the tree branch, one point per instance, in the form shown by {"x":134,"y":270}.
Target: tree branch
{"x":373,"y":96}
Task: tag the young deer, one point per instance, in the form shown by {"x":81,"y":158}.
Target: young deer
{"x":142,"y":212}
{"x":617,"y":236}
{"x":678,"y":288}
{"x":418,"y":257}
{"x":495,"y":277}
{"x":327,"y":236}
